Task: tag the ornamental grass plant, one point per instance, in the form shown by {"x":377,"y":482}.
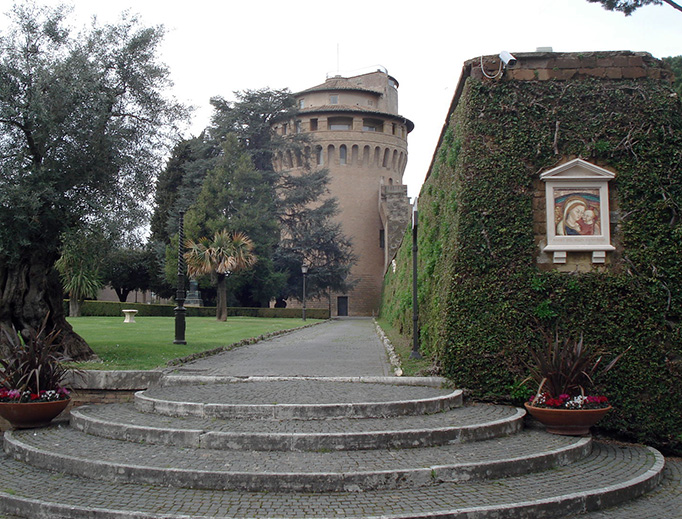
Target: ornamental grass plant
{"x":32,"y":369}
{"x":564,"y":370}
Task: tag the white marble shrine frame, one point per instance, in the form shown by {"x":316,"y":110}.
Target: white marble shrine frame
{"x":577,"y":196}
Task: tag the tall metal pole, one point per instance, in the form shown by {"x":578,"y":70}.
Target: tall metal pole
{"x":304,"y":271}
{"x":415,"y":308}
{"x":180,"y":295}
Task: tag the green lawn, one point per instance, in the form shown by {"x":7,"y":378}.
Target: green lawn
{"x":148,"y":343}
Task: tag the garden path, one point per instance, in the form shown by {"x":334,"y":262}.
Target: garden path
{"x":339,"y":348}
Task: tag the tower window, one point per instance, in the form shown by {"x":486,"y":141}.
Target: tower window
{"x":301,"y":104}
{"x":319,"y":156}
{"x":372,"y":125}
{"x":334,"y":99}
{"x":343,"y":152}
{"x":313,"y":125}
{"x":340,"y":123}
{"x":382,"y":238}
{"x":298,"y":126}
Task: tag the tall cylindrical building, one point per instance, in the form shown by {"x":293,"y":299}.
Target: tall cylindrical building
{"x":359,"y":136}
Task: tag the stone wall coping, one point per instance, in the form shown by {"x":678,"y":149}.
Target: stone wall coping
{"x":114,"y":380}
{"x":563,"y":66}
{"x":140,"y":380}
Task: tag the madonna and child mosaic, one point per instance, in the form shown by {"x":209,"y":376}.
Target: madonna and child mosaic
{"x":577,"y":212}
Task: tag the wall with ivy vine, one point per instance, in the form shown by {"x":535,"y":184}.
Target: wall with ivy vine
{"x":483,"y":296}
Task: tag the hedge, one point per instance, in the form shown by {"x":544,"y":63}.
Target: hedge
{"x":482,"y":293}
{"x":115,"y":308}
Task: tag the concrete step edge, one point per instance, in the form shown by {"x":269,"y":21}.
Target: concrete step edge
{"x":173,"y":379}
{"x":202,"y":438}
{"x":346,"y":481}
{"x":559,"y":506}
{"x":148,"y":404}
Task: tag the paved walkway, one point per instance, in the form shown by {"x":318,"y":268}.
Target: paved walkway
{"x":347,"y":347}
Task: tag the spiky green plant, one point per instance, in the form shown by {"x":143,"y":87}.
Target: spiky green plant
{"x":568,"y":366}
{"x":32,"y":365}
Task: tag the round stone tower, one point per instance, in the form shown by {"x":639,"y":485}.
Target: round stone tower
{"x":361,"y":139}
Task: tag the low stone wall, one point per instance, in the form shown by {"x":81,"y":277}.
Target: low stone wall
{"x":106,"y":387}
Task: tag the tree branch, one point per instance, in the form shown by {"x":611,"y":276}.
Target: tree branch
{"x":674,"y":5}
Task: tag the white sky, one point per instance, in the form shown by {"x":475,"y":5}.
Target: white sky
{"x":215,"y":47}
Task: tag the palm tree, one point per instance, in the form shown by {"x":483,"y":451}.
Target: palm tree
{"x":226,"y":253}
{"x":79,"y":268}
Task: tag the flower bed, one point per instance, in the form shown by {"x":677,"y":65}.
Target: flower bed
{"x":16,"y":396}
{"x":564,"y":401}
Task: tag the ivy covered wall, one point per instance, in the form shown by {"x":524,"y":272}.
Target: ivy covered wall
{"x":484,"y":286}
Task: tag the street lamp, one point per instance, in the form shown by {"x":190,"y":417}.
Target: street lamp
{"x":304,"y":271}
{"x":180,"y":309}
{"x":415,"y":309}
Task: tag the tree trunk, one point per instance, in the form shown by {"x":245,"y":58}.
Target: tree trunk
{"x":122,"y":293}
{"x":29,"y":291}
{"x":74,"y":306}
{"x":221,"y":298}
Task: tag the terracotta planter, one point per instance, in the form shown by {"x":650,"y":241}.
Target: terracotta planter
{"x":570,"y":422}
{"x":31,"y":414}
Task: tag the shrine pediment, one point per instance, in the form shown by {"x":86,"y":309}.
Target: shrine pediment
{"x":577,"y":169}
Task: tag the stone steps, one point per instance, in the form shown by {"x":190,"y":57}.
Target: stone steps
{"x":607,"y":476}
{"x":311,"y":449}
{"x":277,"y":471}
{"x":472,"y":423}
{"x":297,"y":399}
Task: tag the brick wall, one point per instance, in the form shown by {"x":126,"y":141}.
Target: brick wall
{"x":548,"y":66}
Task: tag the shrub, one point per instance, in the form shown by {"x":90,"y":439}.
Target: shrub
{"x":115,"y":309}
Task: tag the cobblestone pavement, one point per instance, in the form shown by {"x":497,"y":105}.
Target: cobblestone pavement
{"x":69,"y":443}
{"x":664,"y":502}
{"x":299,"y":391}
{"x":605,"y":466}
{"x":345,"y":347}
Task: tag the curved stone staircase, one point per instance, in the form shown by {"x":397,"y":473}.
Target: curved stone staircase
{"x":299,"y":448}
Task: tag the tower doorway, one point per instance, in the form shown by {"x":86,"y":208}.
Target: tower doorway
{"x":342,"y":306}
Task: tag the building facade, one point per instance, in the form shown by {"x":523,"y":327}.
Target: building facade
{"x":359,"y":136}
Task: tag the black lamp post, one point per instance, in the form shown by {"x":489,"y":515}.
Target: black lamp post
{"x":304,"y":271}
{"x":180,"y":295}
{"x":415,"y":308}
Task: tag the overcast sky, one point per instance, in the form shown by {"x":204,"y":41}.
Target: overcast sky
{"x":216,"y":47}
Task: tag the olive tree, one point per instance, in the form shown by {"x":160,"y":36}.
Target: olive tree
{"x":629,"y":6}
{"x":84,"y":121}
